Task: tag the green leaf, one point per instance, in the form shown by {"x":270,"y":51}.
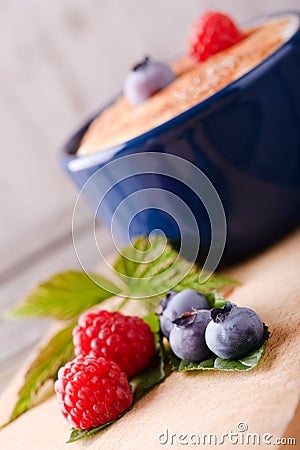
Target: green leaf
{"x":50,"y":358}
{"x":65,"y":296}
{"x":147,"y":270}
{"x":140,"y":385}
{"x":153,"y":321}
{"x":215,"y":299}
{"x":191,"y":281}
{"x":143,"y":382}
{"x":151,"y":267}
{"x":248,"y":362}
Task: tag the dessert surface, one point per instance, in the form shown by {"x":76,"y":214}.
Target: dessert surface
{"x":194,"y":83}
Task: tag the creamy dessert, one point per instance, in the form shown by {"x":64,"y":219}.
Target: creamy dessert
{"x":193,"y":83}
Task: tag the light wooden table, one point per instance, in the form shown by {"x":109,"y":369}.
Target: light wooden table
{"x":266,"y":399}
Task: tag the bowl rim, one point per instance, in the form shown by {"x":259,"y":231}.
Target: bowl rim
{"x":76,"y":163}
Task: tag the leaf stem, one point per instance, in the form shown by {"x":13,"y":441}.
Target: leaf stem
{"x":122,"y":303}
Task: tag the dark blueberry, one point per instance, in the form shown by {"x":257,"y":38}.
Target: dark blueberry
{"x":173,"y":305}
{"x":187,"y":337}
{"x":233,"y":331}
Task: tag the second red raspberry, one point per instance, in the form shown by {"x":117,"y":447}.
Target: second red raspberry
{"x":126,"y":340}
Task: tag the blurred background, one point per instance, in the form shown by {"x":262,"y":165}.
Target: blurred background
{"x":59,"y":61}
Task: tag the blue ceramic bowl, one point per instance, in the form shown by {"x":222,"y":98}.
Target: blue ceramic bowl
{"x":245,"y":139}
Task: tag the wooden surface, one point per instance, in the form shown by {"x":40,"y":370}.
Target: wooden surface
{"x":267,"y":398}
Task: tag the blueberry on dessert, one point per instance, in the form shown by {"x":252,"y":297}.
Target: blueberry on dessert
{"x":145,"y":79}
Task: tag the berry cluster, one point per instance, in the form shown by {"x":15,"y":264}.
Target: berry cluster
{"x":195,"y":333}
{"x":93,"y":388}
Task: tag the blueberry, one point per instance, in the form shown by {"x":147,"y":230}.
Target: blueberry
{"x":187,"y":337}
{"x":233,"y":331}
{"x":173,"y":305}
{"x":145,"y":79}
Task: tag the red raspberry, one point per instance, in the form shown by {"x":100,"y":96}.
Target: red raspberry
{"x":126,"y":340}
{"x":92,"y":391}
{"x":211,"y":33}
